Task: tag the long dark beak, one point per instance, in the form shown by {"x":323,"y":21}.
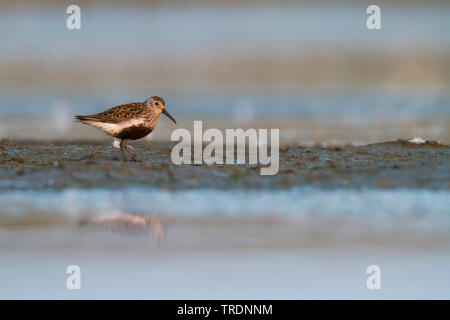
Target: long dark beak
{"x":169,"y":116}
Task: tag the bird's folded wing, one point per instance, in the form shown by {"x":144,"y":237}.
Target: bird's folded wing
{"x":117,"y":114}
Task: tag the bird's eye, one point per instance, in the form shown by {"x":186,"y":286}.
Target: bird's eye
{"x":157,"y":103}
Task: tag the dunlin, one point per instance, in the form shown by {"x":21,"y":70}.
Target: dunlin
{"x":129,"y":121}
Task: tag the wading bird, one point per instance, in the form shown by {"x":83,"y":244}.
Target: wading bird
{"x":129,"y":121}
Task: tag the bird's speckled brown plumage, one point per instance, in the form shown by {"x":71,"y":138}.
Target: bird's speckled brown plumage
{"x":118,"y":114}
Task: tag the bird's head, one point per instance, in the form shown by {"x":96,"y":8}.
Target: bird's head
{"x":158,"y":105}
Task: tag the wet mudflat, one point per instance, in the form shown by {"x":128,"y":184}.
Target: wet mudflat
{"x":59,"y":165}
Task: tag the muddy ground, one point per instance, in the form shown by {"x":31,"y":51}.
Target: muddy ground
{"x":59,"y":165}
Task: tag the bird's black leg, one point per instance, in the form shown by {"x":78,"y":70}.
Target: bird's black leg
{"x":128,"y":150}
{"x":121,"y":150}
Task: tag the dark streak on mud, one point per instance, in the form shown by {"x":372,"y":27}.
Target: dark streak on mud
{"x":59,"y":165}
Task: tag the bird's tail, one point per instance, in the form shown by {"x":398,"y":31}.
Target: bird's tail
{"x":85,"y":119}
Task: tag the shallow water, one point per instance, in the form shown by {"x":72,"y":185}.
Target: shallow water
{"x":227,"y":244}
{"x":414,"y":206}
